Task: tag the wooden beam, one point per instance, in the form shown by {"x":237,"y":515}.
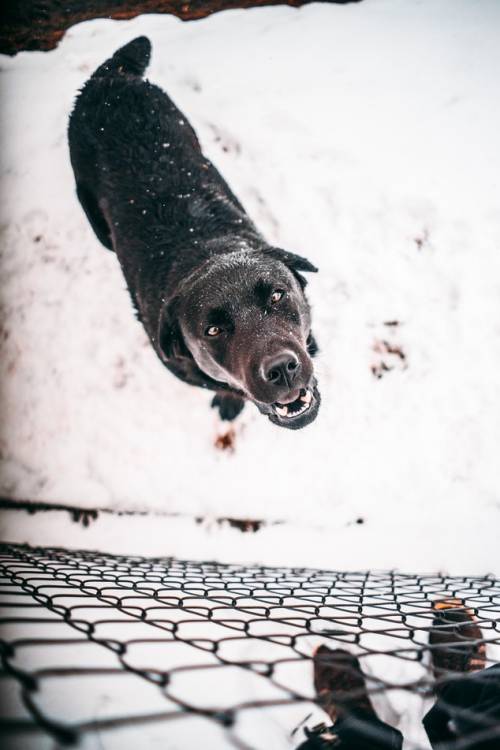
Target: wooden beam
{"x":40,"y":24}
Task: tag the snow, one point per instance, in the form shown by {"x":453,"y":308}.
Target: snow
{"x":364,"y":137}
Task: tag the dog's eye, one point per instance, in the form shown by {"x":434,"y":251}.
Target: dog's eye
{"x":213,"y":331}
{"x":276,"y":296}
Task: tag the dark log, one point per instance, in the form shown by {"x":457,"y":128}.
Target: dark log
{"x":40,"y":24}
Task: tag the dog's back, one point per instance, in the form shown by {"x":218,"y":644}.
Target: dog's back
{"x":138,"y":161}
{"x":114,"y":134}
{"x":148,"y":191}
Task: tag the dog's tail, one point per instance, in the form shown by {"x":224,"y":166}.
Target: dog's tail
{"x":131,"y":60}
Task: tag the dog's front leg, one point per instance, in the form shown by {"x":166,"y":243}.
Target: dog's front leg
{"x":228,"y":404}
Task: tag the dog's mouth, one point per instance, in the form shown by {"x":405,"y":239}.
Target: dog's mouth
{"x":297,"y":413}
{"x":296,"y":408}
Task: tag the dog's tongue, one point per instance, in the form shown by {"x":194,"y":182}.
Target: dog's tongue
{"x":293,"y":396}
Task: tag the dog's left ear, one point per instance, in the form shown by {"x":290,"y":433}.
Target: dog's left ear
{"x":296,"y":263}
{"x":169,"y":336}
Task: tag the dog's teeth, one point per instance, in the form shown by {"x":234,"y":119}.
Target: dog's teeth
{"x":284,"y":412}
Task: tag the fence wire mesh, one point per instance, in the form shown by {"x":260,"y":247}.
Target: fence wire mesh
{"x":120,"y":651}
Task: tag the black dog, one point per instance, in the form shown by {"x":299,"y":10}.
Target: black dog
{"x":223,"y":309}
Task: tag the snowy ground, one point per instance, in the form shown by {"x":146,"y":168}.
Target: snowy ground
{"x":362,"y":136}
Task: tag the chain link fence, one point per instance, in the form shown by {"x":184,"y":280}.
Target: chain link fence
{"x":110,"y":651}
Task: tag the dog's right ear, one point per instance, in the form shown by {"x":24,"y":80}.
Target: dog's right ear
{"x":170,"y":340}
{"x":296,"y":263}
{"x":293,"y":261}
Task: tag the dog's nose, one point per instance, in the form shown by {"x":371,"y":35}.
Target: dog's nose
{"x":282,"y":370}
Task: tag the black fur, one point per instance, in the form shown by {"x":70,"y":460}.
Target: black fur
{"x":186,"y":246}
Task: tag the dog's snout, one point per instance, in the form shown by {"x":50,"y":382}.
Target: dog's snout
{"x":282,"y":370}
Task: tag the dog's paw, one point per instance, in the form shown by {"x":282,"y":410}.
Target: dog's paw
{"x":229,"y":406}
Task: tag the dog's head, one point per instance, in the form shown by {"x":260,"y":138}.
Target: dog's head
{"x":244,"y":319}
